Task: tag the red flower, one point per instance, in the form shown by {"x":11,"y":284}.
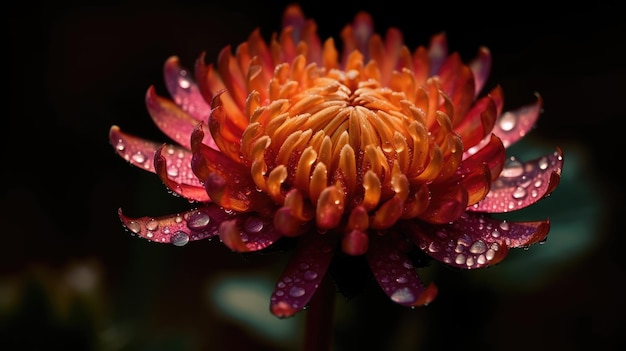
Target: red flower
{"x":374,"y":151}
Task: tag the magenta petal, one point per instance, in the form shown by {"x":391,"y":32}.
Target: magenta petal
{"x":139,"y":152}
{"x":184,"y":90}
{"x":481,"y":67}
{"x":178,"y":176}
{"x":395,"y":273}
{"x":475,"y":240}
{"x":511,"y":126}
{"x":521,"y":184}
{"x":178,"y":229}
{"x":303,"y":274}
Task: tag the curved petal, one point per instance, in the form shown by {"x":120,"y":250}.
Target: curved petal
{"x":177,"y":175}
{"x":184,"y":90}
{"x":475,"y":240}
{"x":303,"y":274}
{"x":247,"y":233}
{"x":171,"y":120}
{"x":481,"y":67}
{"x":511,"y":126}
{"x":521,"y":184}
{"x":178,"y":229}
{"x":139,"y":152}
{"x":395,"y":273}
{"x":478,"y":122}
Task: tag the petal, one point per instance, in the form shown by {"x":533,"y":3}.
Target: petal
{"x":481,"y":67}
{"x":248,"y":233}
{"x":458,"y":82}
{"x":478,"y":122}
{"x":139,"y":152}
{"x":184,"y":90}
{"x":178,"y":229}
{"x":492,"y":153}
{"x":448,"y":201}
{"x":475,"y":240}
{"x":177,"y":175}
{"x":511,"y":126}
{"x":521,"y":184}
{"x":303,"y":274}
{"x":171,"y":120}
{"x":395,"y":273}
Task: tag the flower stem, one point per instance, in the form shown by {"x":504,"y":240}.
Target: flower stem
{"x":319,"y":318}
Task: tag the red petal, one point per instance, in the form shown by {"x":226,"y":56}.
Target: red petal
{"x":177,"y":175}
{"x":303,"y":274}
{"x":475,"y":240}
{"x":521,"y":184}
{"x":481,"y":67}
{"x":478,"y":122}
{"x":178,"y":229}
{"x":448,"y":202}
{"x":184,"y":90}
{"x":492,"y":153}
{"x":395,"y":273}
{"x":458,"y":82}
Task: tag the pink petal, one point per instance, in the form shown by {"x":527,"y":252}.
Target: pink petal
{"x":395,"y":273}
{"x":475,"y":240}
{"x":521,"y":184}
{"x":139,"y":152}
{"x":303,"y":274}
{"x":184,"y":90}
{"x":481,"y":67}
{"x":174,"y":122}
{"x":178,"y":229}
{"x":511,"y":126}
{"x":437,"y":52}
{"x":178,"y":176}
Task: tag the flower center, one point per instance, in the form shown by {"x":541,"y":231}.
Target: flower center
{"x":331,"y":142}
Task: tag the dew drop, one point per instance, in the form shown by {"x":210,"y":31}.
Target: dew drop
{"x":152,"y":224}
{"x":519,"y":193}
{"x":253,"y":225}
{"x":172,"y":171}
{"x":198,"y":220}
{"x":507,"y":121}
{"x":139,"y":157}
{"x":296,"y":291}
{"x":402,"y":280}
{"x":512,"y":168}
{"x":403,"y":296}
{"x":179,"y":238}
{"x":460,"y":259}
{"x":504,"y":225}
{"x":543,"y":163}
{"x":133,"y":227}
{"x":183,"y":82}
{"x":478,"y":247}
{"x":310,"y":275}
{"x":120,"y":146}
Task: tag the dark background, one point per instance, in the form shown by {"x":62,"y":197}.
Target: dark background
{"x":71,"y":278}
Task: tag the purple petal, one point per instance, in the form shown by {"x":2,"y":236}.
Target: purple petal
{"x":184,"y":90}
{"x":475,"y":240}
{"x":511,"y":126}
{"x":521,"y":184}
{"x":395,"y":273}
{"x":248,"y":232}
{"x":178,"y":229}
{"x":303,"y":274}
{"x":481,"y":67}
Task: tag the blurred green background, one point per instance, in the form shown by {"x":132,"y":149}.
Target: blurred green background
{"x":71,"y":278}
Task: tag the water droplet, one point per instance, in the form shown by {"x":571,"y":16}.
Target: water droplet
{"x":152,"y":224}
{"x":478,"y":247}
{"x":507,"y":121}
{"x":253,"y":225}
{"x":504,"y":225}
{"x":460,"y":259}
{"x":139,"y":157}
{"x":179,"y":238}
{"x":296,"y":291}
{"x":403,"y":295}
{"x":543,"y":163}
{"x":281,"y":285}
{"x":198,"y":220}
{"x":133,"y":226}
{"x":172,"y":171}
{"x":512,"y":168}
{"x":184,"y":83}
{"x":120,"y":146}
{"x":310,"y":275}
{"x":519,"y":193}
{"x":402,"y":280}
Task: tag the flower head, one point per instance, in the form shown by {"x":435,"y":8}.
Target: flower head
{"x":373,"y":151}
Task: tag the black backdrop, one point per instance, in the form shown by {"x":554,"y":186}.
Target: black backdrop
{"x":77,"y":68}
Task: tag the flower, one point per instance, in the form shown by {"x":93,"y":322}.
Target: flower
{"x":374,"y":151}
